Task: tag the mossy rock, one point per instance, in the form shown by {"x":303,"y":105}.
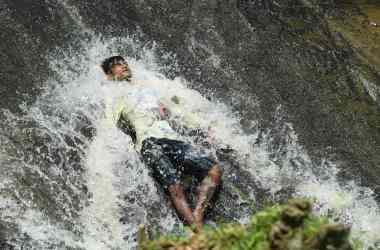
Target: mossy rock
{"x":280,"y":227}
{"x":362,"y":31}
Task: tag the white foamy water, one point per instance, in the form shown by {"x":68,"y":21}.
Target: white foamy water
{"x":120,"y":193}
{"x":346,"y":202}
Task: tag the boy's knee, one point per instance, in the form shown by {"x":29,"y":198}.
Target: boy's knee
{"x":215,"y":173}
{"x":176,"y":190}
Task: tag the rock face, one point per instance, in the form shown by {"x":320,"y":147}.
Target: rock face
{"x":28,"y":31}
{"x":307,"y":57}
{"x":314,"y":61}
{"x":300,"y":55}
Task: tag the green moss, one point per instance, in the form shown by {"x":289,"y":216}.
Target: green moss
{"x":355,"y":109}
{"x":296,"y":24}
{"x":359,"y":31}
{"x":289,"y":226}
{"x":331,"y":77}
{"x":350,"y":99}
{"x":314,"y":36}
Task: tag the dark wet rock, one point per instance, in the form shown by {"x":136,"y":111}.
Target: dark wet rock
{"x":29,"y":31}
{"x":300,"y":57}
{"x":276,"y":53}
{"x":4,"y":231}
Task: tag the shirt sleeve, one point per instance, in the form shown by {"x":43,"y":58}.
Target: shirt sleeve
{"x":116,"y":110}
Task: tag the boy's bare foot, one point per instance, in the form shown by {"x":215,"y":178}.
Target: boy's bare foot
{"x":205,"y":192}
{"x":180,"y":203}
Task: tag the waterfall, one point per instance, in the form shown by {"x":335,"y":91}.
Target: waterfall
{"x":70,"y":180}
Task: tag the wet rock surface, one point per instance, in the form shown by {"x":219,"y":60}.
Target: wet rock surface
{"x":245,"y":52}
{"x":256,"y":56}
{"x":273,"y":53}
{"x":29,"y":32}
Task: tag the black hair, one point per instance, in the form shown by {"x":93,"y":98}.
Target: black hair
{"x":108,"y":63}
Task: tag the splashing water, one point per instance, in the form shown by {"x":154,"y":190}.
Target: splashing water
{"x":64,"y":185}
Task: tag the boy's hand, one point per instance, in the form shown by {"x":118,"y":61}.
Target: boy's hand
{"x":164,"y":114}
{"x":211,"y":135}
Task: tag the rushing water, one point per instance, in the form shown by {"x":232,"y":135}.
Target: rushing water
{"x":70,"y":180}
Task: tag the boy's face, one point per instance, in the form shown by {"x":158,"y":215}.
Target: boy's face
{"x":121,"y":71}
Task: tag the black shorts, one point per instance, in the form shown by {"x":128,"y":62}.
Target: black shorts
{"x":169,"y":159}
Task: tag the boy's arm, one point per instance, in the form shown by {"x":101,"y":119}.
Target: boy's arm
{"x":182,"y":119}
{"x":118,"y":114}
{"x":125,"y":125}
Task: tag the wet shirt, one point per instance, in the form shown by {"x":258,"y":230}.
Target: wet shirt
{"x":140,"y":106}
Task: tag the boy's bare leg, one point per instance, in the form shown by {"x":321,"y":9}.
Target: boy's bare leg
{"x":205,"y":192}
{"x":180,"y":203}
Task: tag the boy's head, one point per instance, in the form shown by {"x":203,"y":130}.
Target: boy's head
{"x":116,"y":68}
